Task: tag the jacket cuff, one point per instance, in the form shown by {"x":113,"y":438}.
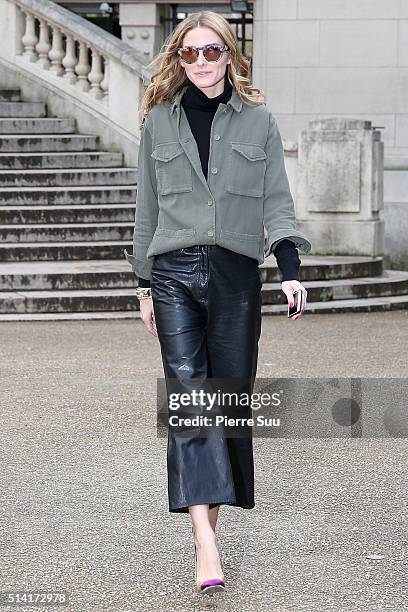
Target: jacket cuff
{"x":142,"y":269}
{"x":300,"y":240}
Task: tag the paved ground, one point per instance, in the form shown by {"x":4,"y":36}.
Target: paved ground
{"x":84,"y":498}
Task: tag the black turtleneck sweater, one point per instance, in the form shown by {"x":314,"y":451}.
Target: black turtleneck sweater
{"x":200,"y":111}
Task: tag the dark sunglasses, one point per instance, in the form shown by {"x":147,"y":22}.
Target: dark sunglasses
{"x":212,"y":53}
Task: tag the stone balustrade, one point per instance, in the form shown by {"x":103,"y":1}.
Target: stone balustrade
{"x":80,"y":62}
{"x":92,"y":75}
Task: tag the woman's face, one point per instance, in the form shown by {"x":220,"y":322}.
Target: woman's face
{"x":215,"y":71}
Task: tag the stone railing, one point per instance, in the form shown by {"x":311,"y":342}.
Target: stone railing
{"x":65,"y":56}
{"x":76,"y":59}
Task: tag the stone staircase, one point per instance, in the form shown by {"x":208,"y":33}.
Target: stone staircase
{"x":67,"y":213}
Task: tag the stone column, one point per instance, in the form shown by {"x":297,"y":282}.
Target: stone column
{"x":340,"y":187}
{"x":141,"y":27}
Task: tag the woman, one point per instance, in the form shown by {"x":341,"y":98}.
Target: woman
{"x":211,"y":182}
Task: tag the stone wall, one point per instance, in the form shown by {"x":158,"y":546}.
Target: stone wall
{"x":318,"y":58}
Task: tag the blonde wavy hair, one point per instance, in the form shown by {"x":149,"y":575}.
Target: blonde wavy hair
{"x":170,"y":76}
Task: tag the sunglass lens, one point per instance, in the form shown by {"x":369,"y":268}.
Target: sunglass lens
{"x":189,"y":55}
{"x":212,"y":54}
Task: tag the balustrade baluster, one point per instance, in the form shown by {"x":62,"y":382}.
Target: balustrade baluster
{"x":104,"y":84}
{"x":96,"y":75}
{"x":43,"y":47}
{"x":30,"y":39}
{"x":56,"y":53}
{"x":70,"y":60}
{"x":83,"y":68}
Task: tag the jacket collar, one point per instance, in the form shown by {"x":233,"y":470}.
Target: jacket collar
{"x":234,"y":100}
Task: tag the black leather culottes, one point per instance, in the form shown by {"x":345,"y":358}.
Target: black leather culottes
{"x":207,"y":306}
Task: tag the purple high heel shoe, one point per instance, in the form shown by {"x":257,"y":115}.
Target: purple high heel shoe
{"x":210,"y":586}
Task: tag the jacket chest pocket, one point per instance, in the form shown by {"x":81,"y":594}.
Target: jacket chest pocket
{"x":173,"y":169}
{"x":246,"y":169}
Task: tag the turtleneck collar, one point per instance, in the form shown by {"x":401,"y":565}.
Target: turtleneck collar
{"x":195,"y":98}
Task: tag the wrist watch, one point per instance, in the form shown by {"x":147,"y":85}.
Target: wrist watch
{"x":142,"y":293}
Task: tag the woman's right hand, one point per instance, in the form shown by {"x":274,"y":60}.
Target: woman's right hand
{"x":147,"y":315}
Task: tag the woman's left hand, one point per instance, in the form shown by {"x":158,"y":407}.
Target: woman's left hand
{"x":288,"y":288}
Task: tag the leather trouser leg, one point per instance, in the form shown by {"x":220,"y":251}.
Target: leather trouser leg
{"x":207,"y":305}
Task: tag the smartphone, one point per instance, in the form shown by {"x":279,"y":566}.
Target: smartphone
{"x":298,"y":303}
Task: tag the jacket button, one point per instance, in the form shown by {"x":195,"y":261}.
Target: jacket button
{"x":209,"y":202}
{"x":210,"y":233}
{"x":217,"y":137}
{"x":214,"y":170}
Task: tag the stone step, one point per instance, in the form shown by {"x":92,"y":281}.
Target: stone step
{"x":32,"y":196}
{"x":48,"y":275}
{"x":72,"y":316}
{"x":330,"y":267}
{"x":67,"y":214}
{"x":111,"y":273}
{"x":67,"y":177}
{"x":37,"y":126}
{"x":11,"y":94}
{"x":60,"y":232}
{"x":392,"y":302}
{"x":122,"y":302}
{"x":313,"y":267}
{"x":13,"y":302}
{"x":22,"y":109}
{"x":47,"y":143}
{"x":392,"y":282}
{"x":29,"y":161}
{"x":67,"y":250}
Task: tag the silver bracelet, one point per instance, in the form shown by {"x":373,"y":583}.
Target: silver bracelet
{"x":142,"y":293}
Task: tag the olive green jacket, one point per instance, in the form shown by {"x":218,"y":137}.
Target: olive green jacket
{"x":245,"y":204}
